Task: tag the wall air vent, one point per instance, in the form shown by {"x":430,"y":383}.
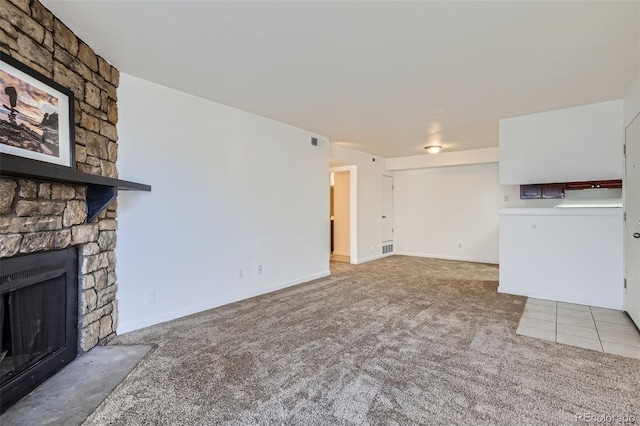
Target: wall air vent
{"x":387,"y":248}
{"x":314,"y":141}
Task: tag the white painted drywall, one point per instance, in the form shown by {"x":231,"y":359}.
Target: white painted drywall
{"x":444,"y":158}
{"x":341,"y":215}
{"x":369,"y":199}
{"x":231,"y":190}
{"x":438,"y":209}
{"x":572,"y":144}
{"x":631,"y":101}
{"x":570,"y":255}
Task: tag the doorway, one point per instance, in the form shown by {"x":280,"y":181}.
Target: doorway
{"x":340,"y":217}
{"x":343,"y":214}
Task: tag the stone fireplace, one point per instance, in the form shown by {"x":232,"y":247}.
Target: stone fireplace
{"x":40,"y":215}
{"x":43,"y":216}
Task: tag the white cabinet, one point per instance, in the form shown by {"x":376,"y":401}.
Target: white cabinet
{"x":568,"y":254}
{"x":573,"y":144}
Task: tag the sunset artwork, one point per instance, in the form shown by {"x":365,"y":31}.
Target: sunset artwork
{"x":28,"y":116}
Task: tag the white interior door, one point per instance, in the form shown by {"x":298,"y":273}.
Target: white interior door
{"x":632,"y":223}
{"x":387,"y":209}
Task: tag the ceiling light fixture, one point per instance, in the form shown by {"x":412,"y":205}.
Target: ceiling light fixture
{"x":433,"y":149}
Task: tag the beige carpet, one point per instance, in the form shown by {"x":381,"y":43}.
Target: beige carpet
{"x":396,"y":341}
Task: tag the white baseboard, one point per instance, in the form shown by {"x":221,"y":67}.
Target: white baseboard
{"x":577,"y":298}
{"x":369,"y":259}
{"x":439,"y":256}
{"x":179,"y":313}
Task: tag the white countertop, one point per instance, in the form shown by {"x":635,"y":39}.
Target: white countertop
{"x":564,"y":211}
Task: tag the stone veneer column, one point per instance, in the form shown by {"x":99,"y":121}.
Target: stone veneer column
{"x":40,"y":216}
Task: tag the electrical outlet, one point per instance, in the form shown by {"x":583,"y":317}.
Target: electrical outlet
{"x":459,"y":245}
{"x":259,"y":269}
{"x":240,"y":273}
{"x":373,"y":248}
{"x":150,"y":298}
{"x":506,"y":198}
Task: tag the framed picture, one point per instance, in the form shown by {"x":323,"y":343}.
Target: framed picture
{"x":36,"y":115}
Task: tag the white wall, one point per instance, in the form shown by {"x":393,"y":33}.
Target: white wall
{"x":231,"y":191}
{"x":437,"y":209}
{"x":570,"y":255}
{"x":341,"y":215}
{"x":369,"y":199}
{"x":572,"y":144}
{"x":631,"y":101}
{"x":455,"y":158}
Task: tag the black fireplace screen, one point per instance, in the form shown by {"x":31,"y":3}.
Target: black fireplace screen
{"x":32,"y":325}
{"x":38,"y":320}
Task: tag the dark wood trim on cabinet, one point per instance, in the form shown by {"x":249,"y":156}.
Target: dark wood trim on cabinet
{"x":556,"y":190}
{"x":609,"y":184}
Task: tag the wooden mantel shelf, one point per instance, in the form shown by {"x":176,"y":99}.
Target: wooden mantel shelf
{"x":23,"y":167}
{"x":101,"y":190}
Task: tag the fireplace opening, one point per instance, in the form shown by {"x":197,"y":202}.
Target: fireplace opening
{"x":38,"y":320}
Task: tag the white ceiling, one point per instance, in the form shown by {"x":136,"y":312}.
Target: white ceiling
{"x":383,"y":77}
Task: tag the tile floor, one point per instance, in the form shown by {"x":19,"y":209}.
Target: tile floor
{"x":599,"y":329}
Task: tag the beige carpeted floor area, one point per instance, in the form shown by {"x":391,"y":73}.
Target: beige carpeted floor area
{"x":399,"y":340}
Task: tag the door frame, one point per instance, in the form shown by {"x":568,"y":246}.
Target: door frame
{"x":353,"y":209}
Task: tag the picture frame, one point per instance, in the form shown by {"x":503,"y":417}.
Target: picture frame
{"x":36,"y":115}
